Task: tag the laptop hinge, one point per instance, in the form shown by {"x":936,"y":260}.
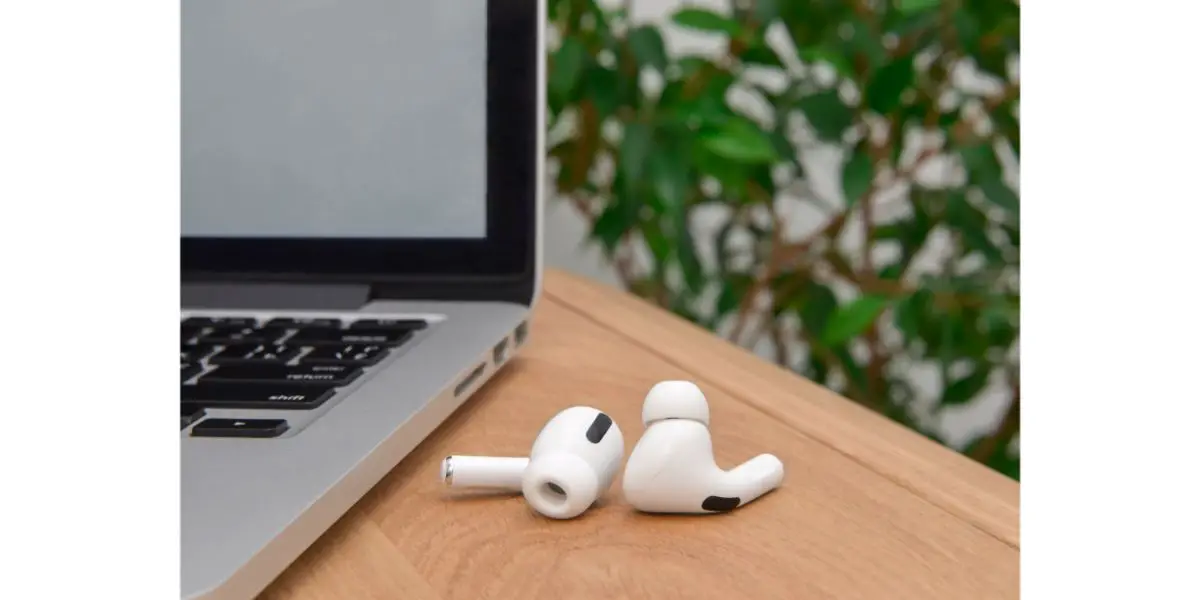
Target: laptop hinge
{"x":278,"y":296}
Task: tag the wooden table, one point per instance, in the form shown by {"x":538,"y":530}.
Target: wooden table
{"x":867,"y":509}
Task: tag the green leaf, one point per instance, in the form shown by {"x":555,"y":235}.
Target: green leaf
{"x":853,"y":319}
{"x":660,"y":245}
{"x":741,"y":141}
{"x":916,"y":6}
{"x":1001,"y":195}
{"x":707,"y":110}
{"x":568,"y":64}
{"x":706,"y":20}
{"x":981,"y":163}
{"x":731,"y":175}
{"x":689,"y":261}
{"x":783,"y":147}
{"x":857,"y":175}
{"x":602,"y":86}
{"x":647,"y":45}
{"x":948,"y":340}
{"x":817,"y":305}
{"x":984,"y":170}
{"x":912,"y":312}
{"x":922,"y":29}
{"x":690,"y":65}
{"x":635,"y":149}
{"x":966,"y":26}
{"x":766,"y":11}
{"x":963,"y":217}
{"x":761,"y":53}
{"x":701,"y":100}
{"x":827,"y":114}
{"x":976,"y":240}
{"x":669,"y":174}
{"x":611,"y":226}
{"x":993,"y":62}
{"x":1013,"y":233}
{"x":812,"y":22}
{"x":888,"y":84}
{"x":892,"y":272}
{"x":964,"y":389}
{"x":999,"y":323}
{"x":1008,"y":126}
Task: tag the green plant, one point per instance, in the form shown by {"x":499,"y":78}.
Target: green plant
{"x":692,"y":171}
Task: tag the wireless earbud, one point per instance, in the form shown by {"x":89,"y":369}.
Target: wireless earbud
{"x":574,"y":459}
{"x":672,"y":470}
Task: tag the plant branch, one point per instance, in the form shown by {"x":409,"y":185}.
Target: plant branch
{"x":783,"y":355}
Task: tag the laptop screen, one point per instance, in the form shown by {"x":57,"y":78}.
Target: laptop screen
{"x":334,"y":118}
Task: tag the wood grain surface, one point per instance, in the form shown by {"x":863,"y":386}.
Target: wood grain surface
{"x":867,"y":508}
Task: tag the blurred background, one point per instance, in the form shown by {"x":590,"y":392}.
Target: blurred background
{"x":830,"y":183}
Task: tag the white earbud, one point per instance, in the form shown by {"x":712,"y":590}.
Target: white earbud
{"x":672,"y":470}
{"x":573,"y":461}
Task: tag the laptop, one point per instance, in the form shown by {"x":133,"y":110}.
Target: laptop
{"x":361,"y":201}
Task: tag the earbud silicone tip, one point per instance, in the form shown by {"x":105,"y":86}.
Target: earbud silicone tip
{"x":675,"y":400}
{"x":560,"y":486}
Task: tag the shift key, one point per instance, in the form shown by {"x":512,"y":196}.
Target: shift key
{"x":282,"y":375}
{"x":287,"y":397}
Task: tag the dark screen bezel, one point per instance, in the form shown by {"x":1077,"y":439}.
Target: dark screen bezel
{"x":509,"y":248}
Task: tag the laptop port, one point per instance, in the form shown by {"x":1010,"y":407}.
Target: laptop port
{"x":469,"y":380}
{"x":500,"y":352}
{"x":521,"y":332}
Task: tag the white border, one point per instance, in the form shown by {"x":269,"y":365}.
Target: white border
{"x":1109,"y":440}
{"x":89,"y":194}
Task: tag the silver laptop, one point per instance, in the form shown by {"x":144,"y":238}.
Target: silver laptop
{"x":361,"y":184}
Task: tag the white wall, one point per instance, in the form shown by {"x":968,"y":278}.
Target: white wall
{"x":566,"y":232}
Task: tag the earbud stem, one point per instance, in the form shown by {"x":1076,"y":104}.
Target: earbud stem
{"x":493,"y":472}
{"x":755,"y":477}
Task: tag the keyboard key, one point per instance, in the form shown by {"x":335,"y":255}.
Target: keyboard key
{"x":401,"y":324}
{"x":189,"y":413}
{"x":290,"y":323}
{"x":254,"y":353}
{"x":189,"y":370}
{"x":224,"y":336}
{"x":283,"y":375}
{"x":256,"y":396}
{"x":340,"y":337}
{"x":245,"y":428}
{"x":194,"y":352}
{"x":353,"y":354}
{"x":220,"y":322}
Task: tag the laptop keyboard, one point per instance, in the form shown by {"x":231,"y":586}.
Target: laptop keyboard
{"x":280,"y":364}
